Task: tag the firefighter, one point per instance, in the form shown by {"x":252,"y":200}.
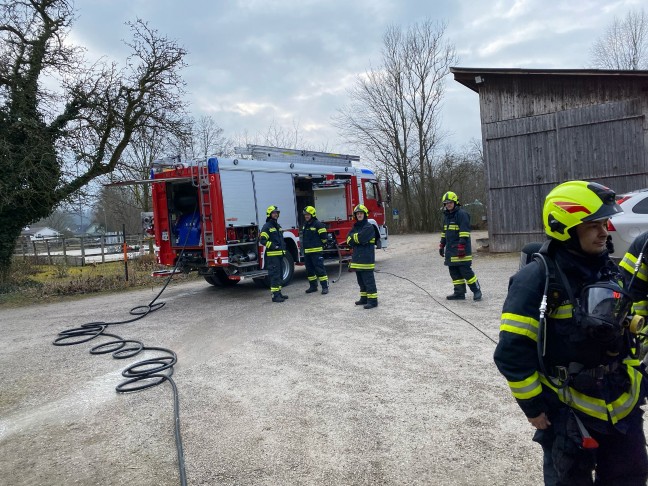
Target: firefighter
{"x":455,"y":247}
{"x":564,"y":350}
{"x":272,"y":238}
{"x":314,"y":237}
{"x":362,"y":239}
{"x":637,"y":278}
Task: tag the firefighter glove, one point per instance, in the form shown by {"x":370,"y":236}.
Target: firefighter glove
{"x":442,"y":249}
{"x":461,"y":250}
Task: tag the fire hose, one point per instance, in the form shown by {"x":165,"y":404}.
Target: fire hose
{"x":142,"y":374}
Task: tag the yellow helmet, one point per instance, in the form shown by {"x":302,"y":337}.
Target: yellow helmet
{"x":361,"y":208}
{"x":272,"y":209}
{"x":450,"y":197}
{"x":310,"y":210}
{"x":574,"y":202}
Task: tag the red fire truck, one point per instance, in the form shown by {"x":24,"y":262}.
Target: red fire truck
{"x":207,"y":214}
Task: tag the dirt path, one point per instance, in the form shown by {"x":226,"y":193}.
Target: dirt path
{"x":314,"y":391}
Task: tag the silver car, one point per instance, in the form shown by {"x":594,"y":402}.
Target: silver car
{"x":624,"y":228}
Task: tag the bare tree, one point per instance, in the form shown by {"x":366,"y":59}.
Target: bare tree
{"x":276,"y":135}
{"x":60,"y":220}
{"x":395,"y":109}
{"x":624,"y":46}
{"x":203,"y":137}
{"x":54,"y":142}
{"x":146,"y":146}
{"x":118,"y":208}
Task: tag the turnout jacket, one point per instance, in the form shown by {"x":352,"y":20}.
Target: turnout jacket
{"x":313,"y":236}
{"x":639,"y":287}
{"x":272,"y":238}
{"x":606,"y":384}
{"x":456,"y":230}
{"x":362,"y":239}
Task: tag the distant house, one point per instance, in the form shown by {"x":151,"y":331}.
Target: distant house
{"x":94,"y":230}
{"x":39,"y":232}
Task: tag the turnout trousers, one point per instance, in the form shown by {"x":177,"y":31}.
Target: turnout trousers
{"x":315,"y":270}
{"x":620,"y":459}
{"x":367,"y":283}
{"x":274,"y":266}
{"x":462,"y":275}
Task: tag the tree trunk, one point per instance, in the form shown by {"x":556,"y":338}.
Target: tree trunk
{"x":11,"y":228}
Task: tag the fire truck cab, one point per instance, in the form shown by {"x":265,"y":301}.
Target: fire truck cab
{"x":208,"y":213}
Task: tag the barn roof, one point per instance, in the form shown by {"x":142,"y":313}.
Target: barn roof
{"x":473,"y":77}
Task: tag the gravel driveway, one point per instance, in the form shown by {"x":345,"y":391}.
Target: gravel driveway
{"x":313,"y":391}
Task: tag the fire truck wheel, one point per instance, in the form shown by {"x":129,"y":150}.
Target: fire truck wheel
{"x":211,"y":280}
{"x":219,"y":279}
{"x":288,"y":267}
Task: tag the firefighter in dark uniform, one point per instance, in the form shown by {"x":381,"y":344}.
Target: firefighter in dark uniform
{"x":272,"y":238}
{"x":639,"y":288}
{"x":455,"y":247}
{"x":313,"y":238}
{"x":566,"y":351}
{"x":362,"y":239}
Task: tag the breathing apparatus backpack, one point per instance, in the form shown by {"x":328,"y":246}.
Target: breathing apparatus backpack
{"x":600,"y":311}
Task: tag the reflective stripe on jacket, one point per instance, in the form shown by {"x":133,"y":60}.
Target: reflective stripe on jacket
{"x":639,"y":288}
{"x":614,"y":397}
{"x":362,"y":239}
{"x":272,"y":238}
{"x":456,"y":230}
{"x":313,"y":236}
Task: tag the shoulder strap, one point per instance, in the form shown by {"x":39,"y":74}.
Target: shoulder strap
{"x":555,"y":273}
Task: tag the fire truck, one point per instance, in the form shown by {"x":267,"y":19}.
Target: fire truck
{"x":207,"y":214}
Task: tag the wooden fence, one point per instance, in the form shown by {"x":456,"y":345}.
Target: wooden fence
{"x":80,"y":251}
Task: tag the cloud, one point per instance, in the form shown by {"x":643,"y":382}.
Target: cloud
{"x":255,"y":62}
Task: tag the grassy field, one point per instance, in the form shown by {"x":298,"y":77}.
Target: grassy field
{"x":29,"y":282}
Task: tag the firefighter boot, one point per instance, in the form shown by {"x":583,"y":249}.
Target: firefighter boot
{"x":362,"y":301}
{"x":312,"y":288}
{"x":459,"y":292}
{"x":457,"y":296}
{"x":324,"y":287}
{"x":476,"y":290}
{"x":371,"y":303}
{"x":284,"y":297}
{"x":276,"y":297}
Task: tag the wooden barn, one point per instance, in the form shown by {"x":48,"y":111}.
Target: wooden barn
{"x":543,"y":127}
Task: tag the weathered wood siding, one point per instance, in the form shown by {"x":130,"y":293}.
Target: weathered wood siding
{"x":539,"y":131}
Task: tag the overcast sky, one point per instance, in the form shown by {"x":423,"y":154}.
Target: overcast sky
{"x":252,"y":62}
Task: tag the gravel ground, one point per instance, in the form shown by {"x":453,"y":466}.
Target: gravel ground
{"x":314,"y":391}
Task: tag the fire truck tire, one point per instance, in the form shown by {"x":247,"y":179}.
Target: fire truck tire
{"x":219,"y":279}
{"x":288,"y":269}
{"x":211,"y":280}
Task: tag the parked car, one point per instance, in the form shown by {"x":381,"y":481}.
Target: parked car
{"x":624,"y":228}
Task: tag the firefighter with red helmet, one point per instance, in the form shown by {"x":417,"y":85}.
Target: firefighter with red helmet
{"x":362,"y":239}
{"x":313,"y":239}
{"x":275,"y":248}
{"x":566,"y":348}
{"x":455,"y":247}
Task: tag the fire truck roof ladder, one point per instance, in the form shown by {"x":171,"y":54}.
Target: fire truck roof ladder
{"x":276,"y":154}
{"x":166,"y":163}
